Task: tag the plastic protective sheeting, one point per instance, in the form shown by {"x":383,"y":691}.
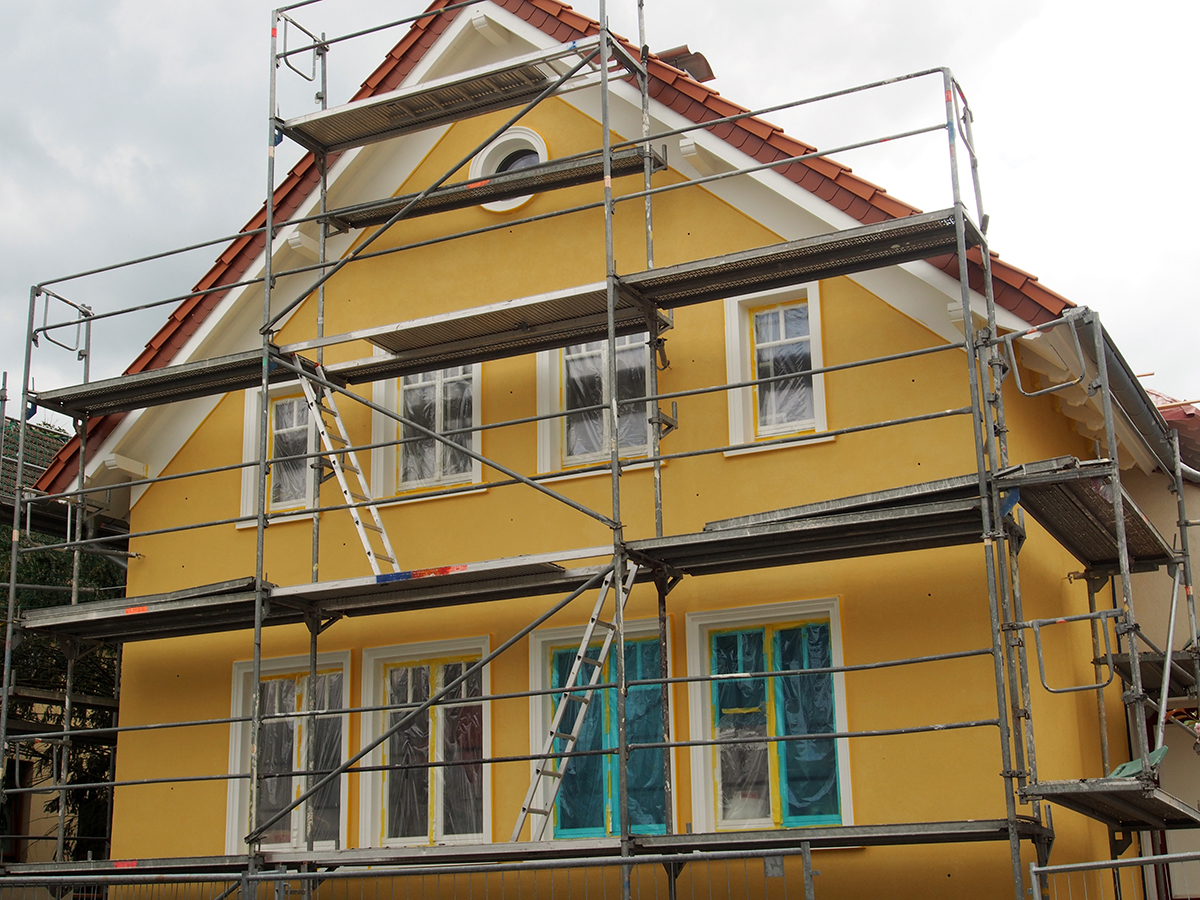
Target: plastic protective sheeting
{"x":585,"y":370}
{"x":643,"y":725}
{"x":740,"y":713}
{"x":805,"y":706}
{"x":782,"y":346}
{"x":276,"y":752}
{"x":581,"y":799}
{"x":441,"y":401}
{"x":289,"y":429}
{"x":280,"y":756}
{"x":587,"y":802}
{"x":462,"y":740}
{"x":408,"y":789}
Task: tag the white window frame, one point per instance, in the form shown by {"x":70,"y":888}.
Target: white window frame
{"x":252,"y":419}
{"x":385,"y":461}
{"x":374,"y":693}
{"x":739,"y":366}
{"x":237,"y":807}
{"x":699,"y":626}
{"x":541,"y":642}
{"x":551,"y":390}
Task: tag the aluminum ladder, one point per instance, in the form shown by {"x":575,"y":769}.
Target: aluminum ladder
{"x":552,"y":769}
{"x":343,"y":461}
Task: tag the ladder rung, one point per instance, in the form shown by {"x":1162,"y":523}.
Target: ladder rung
{"x":578,"y":698}
{"x":337,"y":437}
{"x":609,"y":625}
{"x":346,"y":467}
{"x":357,"y":496}
{"x":550,"y":773}
{"x":592,"y":662}
{"x":325,"y":409}
{"x":371,"y":527}
{"x":386,"y":559}
{"x":537,"y":812}
{"x":566,"y":736}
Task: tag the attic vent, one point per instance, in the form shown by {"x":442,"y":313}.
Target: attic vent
{"x":517,"y":148}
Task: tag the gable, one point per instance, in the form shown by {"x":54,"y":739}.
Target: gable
{"x":435,"y":46}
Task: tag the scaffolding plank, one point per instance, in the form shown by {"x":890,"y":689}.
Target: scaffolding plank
{"x":1077,"y":509}
{"x":441,"y":101}
{"x":1182,"y":689}
{"x":169,"y":384}
{"x":808,"y":259}
{"x":1119,"y":802}
{"x":916,"y":526}
{"x":513,"y":327}
{"x":549,"y":176}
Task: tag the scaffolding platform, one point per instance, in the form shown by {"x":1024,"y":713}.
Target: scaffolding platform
{"x":443,"y":101}
{"x":1121,"y":803}
{"x":549,"y":176}
{"x":1073,"y":501}
{"x":169,"y":384}
{"x":845,"y":252}
{"x":1182,"y":689}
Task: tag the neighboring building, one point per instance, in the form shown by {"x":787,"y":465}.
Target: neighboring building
{"x":794,"y":578}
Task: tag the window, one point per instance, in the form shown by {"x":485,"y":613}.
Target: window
{"x":284,"y":751}
{"x":775,"y":335}
{"x":517,"y":148}
{"x":574,"y":378}
{"x":444,"y":401}
{"x":587,"y":802}
{"x":292,"y":433}
{"x":441,"y":401}
{"x":444,"y":797}
{"x":289,"y":479}
{"x":747,"y":783}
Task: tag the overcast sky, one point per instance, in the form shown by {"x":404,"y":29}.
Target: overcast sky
{"x":134,"y":126}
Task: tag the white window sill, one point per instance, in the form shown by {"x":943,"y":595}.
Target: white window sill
{"x":799,"y":441}
{"x":276,"y":519}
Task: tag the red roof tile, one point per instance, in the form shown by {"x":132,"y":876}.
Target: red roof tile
{"x":827,"y":179}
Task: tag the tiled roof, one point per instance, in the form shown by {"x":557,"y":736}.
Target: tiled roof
{"x":833,"y":182}
{"x":1185,"y":419}
{"x":41,"y":445}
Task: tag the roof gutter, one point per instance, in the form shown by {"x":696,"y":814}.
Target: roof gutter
{"x":1132,"y":401}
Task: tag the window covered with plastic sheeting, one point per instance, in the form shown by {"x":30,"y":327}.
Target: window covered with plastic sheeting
{"x":774,"y":782}
{"x":289,"y":437}
{"x":442,"y":402}
{"x":585,"y":370}
{"x":424,"y":802}
{"x":782,"y":346}
{"x":283,"y":747}
{"x":587,"y":803}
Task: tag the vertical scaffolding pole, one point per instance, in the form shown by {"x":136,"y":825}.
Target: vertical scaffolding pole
{"x":14,"y":549}
{"x":263,"y":428}
{"x":1181,"y":506}
{"x":1138,"y":698}
{"x":990,"y":535}
{"x":1093,"y":585}
{"x":322,"y":161}
{"x":71,"y":650}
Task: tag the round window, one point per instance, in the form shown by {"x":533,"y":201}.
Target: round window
{"x":518,"y":148}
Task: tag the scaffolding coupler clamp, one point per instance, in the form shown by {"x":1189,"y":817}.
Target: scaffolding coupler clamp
{"x":666,"y":423}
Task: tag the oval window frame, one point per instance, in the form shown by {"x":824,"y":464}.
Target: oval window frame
{"x":488,"y":160}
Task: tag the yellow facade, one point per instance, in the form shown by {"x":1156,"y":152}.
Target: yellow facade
{"x":896,"y":606}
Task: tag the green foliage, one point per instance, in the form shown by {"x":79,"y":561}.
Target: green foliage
{"x":40,"y":662}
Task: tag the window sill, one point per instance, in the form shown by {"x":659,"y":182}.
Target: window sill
{"x":798,"y":441}
{"x":298,"y":516}
{"x":417,"y":497}
{"x":573,"y":476}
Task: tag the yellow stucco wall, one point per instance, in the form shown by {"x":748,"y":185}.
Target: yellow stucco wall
{"x":891,"y":607}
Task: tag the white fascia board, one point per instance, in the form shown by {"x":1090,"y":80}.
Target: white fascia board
{"x":916,"y":289}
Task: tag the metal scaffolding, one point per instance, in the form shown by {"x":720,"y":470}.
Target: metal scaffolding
{"x":1100,"y":526}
